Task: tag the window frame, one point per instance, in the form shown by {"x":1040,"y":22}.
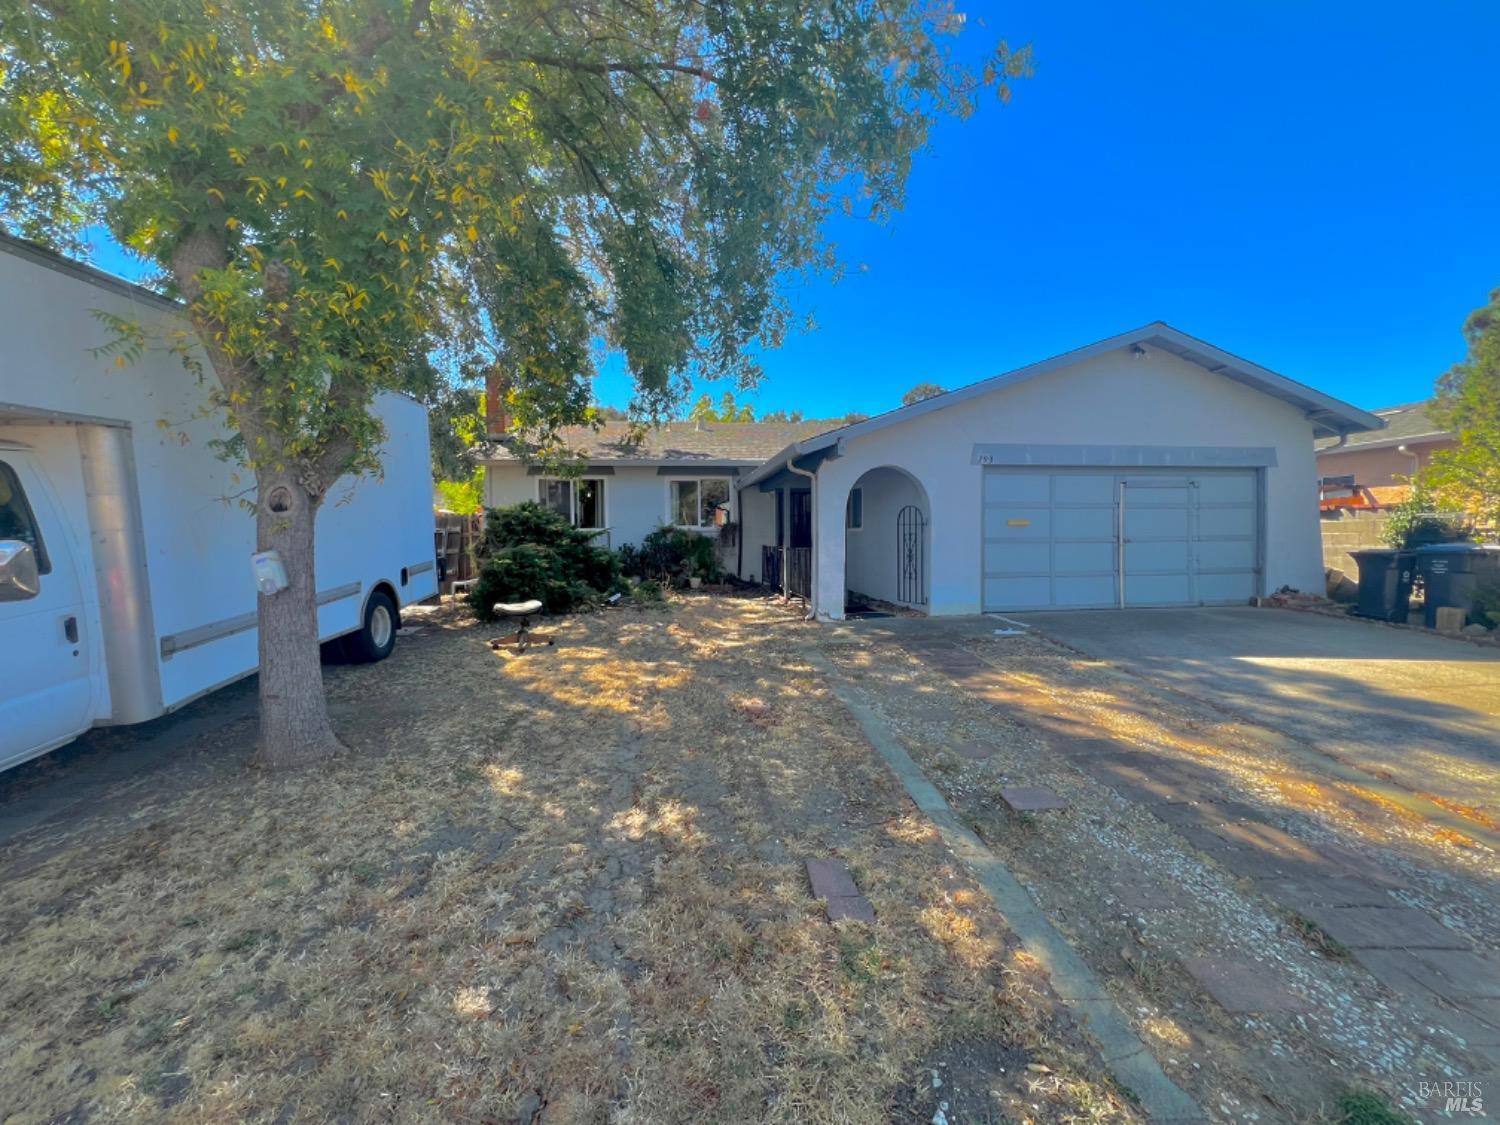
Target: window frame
{"x":854,"y":510}
{"x":698,"y":482}
{"x":572,"y":484}
{"x":28,"y":513}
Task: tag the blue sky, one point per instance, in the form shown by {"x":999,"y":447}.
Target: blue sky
{"x":1311,"y":185}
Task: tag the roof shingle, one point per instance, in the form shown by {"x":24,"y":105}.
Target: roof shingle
{"x":677,"y":442}
{"x":1402,"y":423}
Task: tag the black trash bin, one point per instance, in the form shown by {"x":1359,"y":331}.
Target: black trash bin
{"x":1385,"y":579}
{"x":1452,"y":572}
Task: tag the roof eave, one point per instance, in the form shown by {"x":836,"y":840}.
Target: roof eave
{"x":1330,"y":417}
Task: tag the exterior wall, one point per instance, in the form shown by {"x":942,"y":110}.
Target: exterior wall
{"x":1347,"y":530}
{"x":1113,"y":399}
{"x":871,"y":552}
{"x":757,"y":528}
{"x":637,"y":499}
{"x":1376,"y":468}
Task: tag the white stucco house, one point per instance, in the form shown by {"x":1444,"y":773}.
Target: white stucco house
{"x":1147,"y":469}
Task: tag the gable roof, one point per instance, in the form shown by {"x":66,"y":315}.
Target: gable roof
{"x":1329,"y":416}
{"x":677,"y":443}
{"x":1407,"y":423}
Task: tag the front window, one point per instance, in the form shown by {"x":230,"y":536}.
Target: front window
{"x":700,"y":503}
{"x":17,"y":520}
{"x":580,"y":502}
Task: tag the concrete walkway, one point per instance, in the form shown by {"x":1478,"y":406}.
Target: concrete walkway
{"x":1419,"y":709}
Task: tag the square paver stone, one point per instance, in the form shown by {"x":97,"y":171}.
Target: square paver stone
{"x":1327,"y":890}
{"x":855,"y":907}
{"x":830,"y":879}
{"x":1385,"y":927}
{"x":1242,"y":986}
{"x":1031,"y":798}
{"x":1458,"y":976}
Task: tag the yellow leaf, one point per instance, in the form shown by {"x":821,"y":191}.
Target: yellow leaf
{"x":473,"y":233}
{"x":119,"y":361}
{"x":172,"y":133}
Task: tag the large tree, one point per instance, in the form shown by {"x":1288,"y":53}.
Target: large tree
{"x":1467,"y":477}
{"x":345,"y":192}
{"x":921,"y":393}
{"x":728,"y":410}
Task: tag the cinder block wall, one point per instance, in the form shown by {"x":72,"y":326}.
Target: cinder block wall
{"x":1350,"y":530}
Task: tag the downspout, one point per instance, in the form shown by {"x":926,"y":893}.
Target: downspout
{"x":1416,"y":459}
{"x":812,"y":570}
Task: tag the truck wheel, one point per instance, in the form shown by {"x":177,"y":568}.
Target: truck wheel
{"x":377,"y":637}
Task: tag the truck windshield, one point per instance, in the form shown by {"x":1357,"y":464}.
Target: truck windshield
{"x":16,"y":518}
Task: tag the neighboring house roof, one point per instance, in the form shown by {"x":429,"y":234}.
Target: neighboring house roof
{"x":1329,"y":416}
{"x":709,"y":443}
{"x":1408,"y":424}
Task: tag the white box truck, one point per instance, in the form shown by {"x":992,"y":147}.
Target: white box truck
{"x":125,"y":579}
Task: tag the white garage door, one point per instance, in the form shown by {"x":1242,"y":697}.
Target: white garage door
{"x":1059,"y":538}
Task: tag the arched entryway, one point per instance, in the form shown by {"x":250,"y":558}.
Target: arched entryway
{"x":887,"y":539}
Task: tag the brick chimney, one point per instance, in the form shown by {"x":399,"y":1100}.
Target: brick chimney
{"x":496,"y":417}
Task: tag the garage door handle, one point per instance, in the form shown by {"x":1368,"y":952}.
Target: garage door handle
{"x":70,"y":629}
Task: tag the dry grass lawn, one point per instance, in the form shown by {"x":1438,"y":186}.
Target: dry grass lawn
{"x":564,"y":887}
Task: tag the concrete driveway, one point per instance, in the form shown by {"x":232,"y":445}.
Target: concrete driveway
{"x":1421,"y":709}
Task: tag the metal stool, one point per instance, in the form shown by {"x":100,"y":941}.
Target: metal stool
{"x":523,"y":637}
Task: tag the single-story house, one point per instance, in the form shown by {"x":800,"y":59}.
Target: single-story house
{"x":1371,"y":469}
{"x":1147,"y":469}
{"x":633,"y":481}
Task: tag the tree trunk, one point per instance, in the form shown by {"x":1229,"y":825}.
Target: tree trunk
{"x":294,"y":727}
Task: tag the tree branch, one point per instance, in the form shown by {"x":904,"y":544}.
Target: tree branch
{"x":638,"y":69}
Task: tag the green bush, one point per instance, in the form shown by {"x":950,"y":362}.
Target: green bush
{"x":673,"y":552}
{"x":1413,"y":522}
{"x":528,"y":551}
{"x":1487,"y":605}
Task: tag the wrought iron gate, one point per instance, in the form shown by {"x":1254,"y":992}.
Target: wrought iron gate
{"x":911,"y":555}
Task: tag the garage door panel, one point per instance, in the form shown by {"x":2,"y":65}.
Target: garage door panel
{"x":1226,"y":488}
{"x":1084,"y":558}
{"x":1017,"y":488}
{"x":1084,"y":489}
{"x":1018,"y":558}
{"x":1226,"y":554}
{"x":1234,"y":588}
{"x":1144,"y":496}
{"x":1007,"y":523}
{"x":1085,"y":592}
{"x":1018,"y":593}
{"x":1155,"y":523}
{"x":1156,"y":556}
{"x":1156,"y":589}
{"x":1216,"y":522}
{"x":1084,"y":523}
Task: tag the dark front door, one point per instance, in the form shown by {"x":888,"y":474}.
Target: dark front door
{"x":801,"y":519}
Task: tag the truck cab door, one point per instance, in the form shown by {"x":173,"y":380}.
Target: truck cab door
{"x":46,"y":681}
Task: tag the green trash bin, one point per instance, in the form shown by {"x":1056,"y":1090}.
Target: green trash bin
{"x":1385,"y":581}
{"x":1453,"y":572}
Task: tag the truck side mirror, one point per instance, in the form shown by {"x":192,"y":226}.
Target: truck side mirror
{"x":19,"y":579}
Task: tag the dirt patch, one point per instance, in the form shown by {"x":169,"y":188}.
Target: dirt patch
{"x":559,"y":887}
